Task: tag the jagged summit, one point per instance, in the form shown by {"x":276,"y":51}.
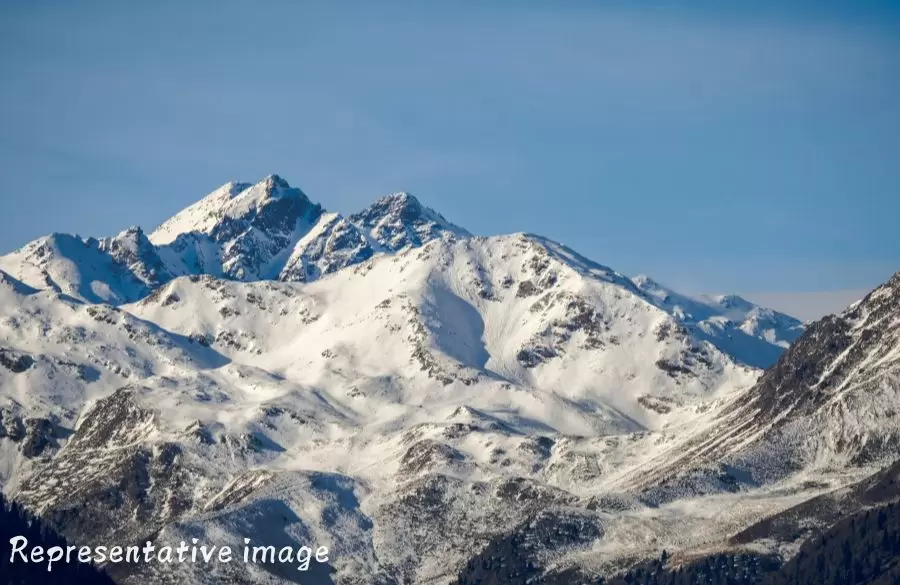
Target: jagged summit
{"x":400,"y":220}
{"x":231,"y":202}
{"x":133,"y":249}
{"x":196,"y":216}
{"x":269,"y":230}
{"x":391,"y":387}
{"x":241,"y":231}
{"x":271,"y":187}
{"x":70,"y":265}
{"x":391,"y":224}
{"x":244,"y":236}
{"x":643,"y":281}
{"x":402,"y":204}
{"x":276,"y":181}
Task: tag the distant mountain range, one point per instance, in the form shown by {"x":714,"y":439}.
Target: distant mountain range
{"x":271,"y":231}
{"x":411,"y":395}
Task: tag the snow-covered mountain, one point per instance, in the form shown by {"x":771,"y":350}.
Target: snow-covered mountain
{"x":828,"y":402}
{"x":399,"y":390}
{"x":272,"y":231}
{"x":263,"y":231}
{"x":239,"y":231}
{"x":90,"y":270}
{"x":751,"y":334}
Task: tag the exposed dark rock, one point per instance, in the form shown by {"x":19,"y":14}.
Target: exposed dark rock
{"x":672,"y":369}
{"x":534,"y":356}
{"x":40,"y":434}
{"x":15,"y":361}
{"x":530,"y":492}
{"x":518,"y":557}
{"x":11,"y":426}
{"x":125,"y":487}
{"x":428,"y":454}
{"x":540,"y":446}
{"x":809,"y":370}
{"x":526,"y":289}
{"x":400,"y":221}
{"x":133,"y":250}
{"x":201,"y":339}
{"x":658,"y":404}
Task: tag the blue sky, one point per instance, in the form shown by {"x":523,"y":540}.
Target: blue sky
{"x":747,"y":148}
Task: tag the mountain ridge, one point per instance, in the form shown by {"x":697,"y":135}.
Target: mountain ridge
{"x":271,"y":231}
{"x":401,"y":391}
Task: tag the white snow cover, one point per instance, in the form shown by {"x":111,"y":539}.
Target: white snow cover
{"x":335,"y":375}
{"x":230,"y":200}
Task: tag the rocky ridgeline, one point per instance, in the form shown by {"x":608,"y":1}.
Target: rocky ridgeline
{"x":428,"y":403}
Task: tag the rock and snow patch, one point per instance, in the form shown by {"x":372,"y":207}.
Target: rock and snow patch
{"x":389,"y":385}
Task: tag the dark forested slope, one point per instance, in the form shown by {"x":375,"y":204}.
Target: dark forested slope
{"x":16,"y":521}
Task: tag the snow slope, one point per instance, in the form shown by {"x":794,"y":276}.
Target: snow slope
{"x":751,"y":334}
{"x":826,"y":405}
{"x":389,"y":385}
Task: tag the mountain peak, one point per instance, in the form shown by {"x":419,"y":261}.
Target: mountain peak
{"x":645,"y":283}
{"x":834,"y":381}
{"x":401,"y":205}
{"x":401,"y":198}
{"x":731,"y":301}
{"x":400,"y":220}
{"x":274,"y":186}
{"x":894,"y":281}
{"x":131,"y":233}
{"x":232,"y":201}
{"x":269,"y":187}
{"x":275,"y":181}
